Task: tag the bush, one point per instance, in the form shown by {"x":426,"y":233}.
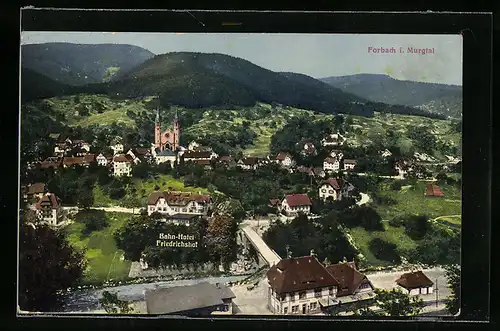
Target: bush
{"x":94,"y":223}
{"x":156,"y":187}
{"x":396,"y":185}
{"x":396,"y":222}
{"x":416,"y":226}
{"x":384,"y":250}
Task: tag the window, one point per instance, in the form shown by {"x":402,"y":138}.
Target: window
{"x":317,"y":293}
{"x":331,"y":191}
{"x":323,"y":190}
{"x":314,"y":305}
{"x":184,"y":210}
{"x":285,"y":310}
{"x":302,"y":295}
{"x":330,"y":291}
{"x":295,"y":309}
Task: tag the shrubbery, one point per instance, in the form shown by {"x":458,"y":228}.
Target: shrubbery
{"x":384,"y":250}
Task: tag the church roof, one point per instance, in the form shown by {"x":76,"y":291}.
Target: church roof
{"x":165,"y":152}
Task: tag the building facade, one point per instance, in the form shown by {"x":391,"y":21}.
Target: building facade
{"x":171,"y":203}
{"x":331,"y":164}
{"x":416,"y":283}
{"x":335,"y":188}
{"x":122,"y":165}
{"x":297,"y":286}
{"x":48,"y":210}
{"x":292,"y":204}
{"x":167,"y":139}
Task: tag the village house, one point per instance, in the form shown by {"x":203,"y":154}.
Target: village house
{"x":297,"y":285}
{"x":196,"y":155}
{"x":165,"y":156}
{"x":203,"y":299}
{"x":336,"y":153}
{"x":34,"y":191}
{"x":81,"y":146}
{"x":432,"y":190}
{"x":116,"y":145}
{"x":180,"y":219}
{"x":104,"y":160}
{"x":192,"y":145}
{"x":335,"y":188}
{"x":319,"y":172}
{"x":335,"y":139}
{"x":385,"y":153}
{"x":226,"y":160}
{"x":415,"y":283}
{"x":284,"y":159}
{"x":83,"y":161}
{"x":292,"y":204}
{"x":307,"y":148}
{"x":349,"y":164}
{"x":331,"y":164}
{"x":122,"y":165}
{"x":48,"y":209}
{"x":61,"y":148}
{"x":135,"y":158}
{"x":144,"y":154}
{"x":403,"y":167}
{"x":251,"y":163}
{"x":350,"y":280}
{"x":170,"y":203}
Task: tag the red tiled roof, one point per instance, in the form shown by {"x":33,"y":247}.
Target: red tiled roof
{"x":141,"y":150}
{"x":433,"y":190}
{"x":294,"y":200}
{"x":36,"y":188}
{"x":348,"y":277}
{"x":89,"y":158}
{"x":413,"y":280}
{"x":299,"y":274}
{"x":336,"y":183}
{"x":51,"y":162}
{"x":201,"y":162}
{"x":177,"y":198}
{"x":49,"y":199}
{"x":122,"y":158}
{"x":250,"y":161}
{"x":73,"y":160}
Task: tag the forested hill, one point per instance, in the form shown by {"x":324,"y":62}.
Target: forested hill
{"x":434,"y":98}
{"x":198,"y":80}
{"x":37,"y":86}
{"x":80,"y":64}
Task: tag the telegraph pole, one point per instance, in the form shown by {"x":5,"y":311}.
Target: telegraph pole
{"x":436,"y":290}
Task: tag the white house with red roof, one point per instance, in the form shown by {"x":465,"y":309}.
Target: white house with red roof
{"x":48,"y":209}
{"x":335,"y":188}
{"x":122,"y":165}
{"x":292,"y":204}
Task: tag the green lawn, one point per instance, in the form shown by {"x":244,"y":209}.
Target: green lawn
{"x":261,"y":144}
{"x":412,"y":201}
{"x":395,"y":235}
{"x":165,"y":182}
{"x":110,"y":116}
{"x":103,"y":257}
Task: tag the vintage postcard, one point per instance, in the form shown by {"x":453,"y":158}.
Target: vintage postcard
{"x":202,"y":174}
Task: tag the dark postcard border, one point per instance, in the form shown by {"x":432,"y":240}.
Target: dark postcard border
{"x":477,"y":34}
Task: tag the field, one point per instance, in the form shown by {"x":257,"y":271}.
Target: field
{"x":395,"y":235}
{"x":102,"y":110}
{"x":104,"y":259}
{"x":412,"y":200}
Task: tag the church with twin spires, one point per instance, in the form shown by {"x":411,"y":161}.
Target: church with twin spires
{"x":167,"y":139}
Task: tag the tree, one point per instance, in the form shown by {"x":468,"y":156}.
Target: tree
{"x":94,"y":222}
{"x":384,"y":250}
{"x":397,"y":303}
{"x":416,"y":226}
{"x":85,"y":199}
{"x":113,"y":305}
{"x":221,"y":239}
{"x":452,"y":273}
{"x":48,"y":264}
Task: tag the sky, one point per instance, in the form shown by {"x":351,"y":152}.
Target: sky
{"x":315,"y":55}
